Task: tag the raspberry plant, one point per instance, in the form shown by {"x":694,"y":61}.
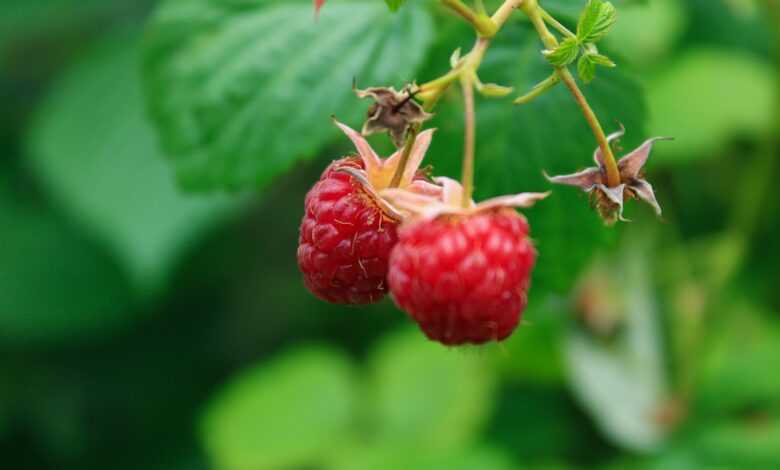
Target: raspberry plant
{"x":219,"y":122}
{"x":461,"y":270}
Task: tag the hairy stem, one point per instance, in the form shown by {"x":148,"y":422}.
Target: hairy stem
{"x":467,"y":178}
{"x":539,"y":89}
{"x":534,"y":13}
{"x":411,"y":136}
{"x":431,"y":91}
{"x":556,"y":24}
{"x":482,"y":23}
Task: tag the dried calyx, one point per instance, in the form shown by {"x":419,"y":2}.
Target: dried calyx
{"x":393,"y":111}
{"x":609,"y":200}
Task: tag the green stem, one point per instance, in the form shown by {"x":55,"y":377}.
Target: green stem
{"x":539,"y":89}
{"x":467,"y":178}
{"x":556,"y":24}
{"x":481,"y":22}
{"x":431,"y":91}
{"x":534,"y":13}
{"x":411,"y":136}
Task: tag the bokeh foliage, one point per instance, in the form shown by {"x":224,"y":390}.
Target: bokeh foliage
{"x":155,"y":159}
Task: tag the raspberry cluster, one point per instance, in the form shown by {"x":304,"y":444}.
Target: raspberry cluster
{"x":461,"y":270}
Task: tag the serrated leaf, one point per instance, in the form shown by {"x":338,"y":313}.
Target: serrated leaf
{"x":427,"y":396}
{"x":394,"y":5}
{"x":586,"y":69}
{"x":515,"y":144}
{"x":564,"y":54}
{"x":242,"y":90}
{"x":601,"y":60}
{"x":96,"y":155}
{"x":286,"y":413}
{"x":596,"y":20}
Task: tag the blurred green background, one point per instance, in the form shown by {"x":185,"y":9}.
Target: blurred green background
{"x":154,"y":157}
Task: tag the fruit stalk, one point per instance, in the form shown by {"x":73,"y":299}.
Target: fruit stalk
{"x":481,"y":22}
{"x":467,"y":178}
{"x":411,"y":135}
{"x":534,"y":12}
{"x":430,"y":91}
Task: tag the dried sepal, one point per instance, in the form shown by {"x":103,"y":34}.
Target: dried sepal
{"x":608,"y":201}
{"x":450,"y":201}
{"x":392,"y":111}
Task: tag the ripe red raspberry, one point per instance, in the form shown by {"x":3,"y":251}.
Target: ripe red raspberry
{"x":348,"y":230}
{"x":345,"y":239}
{"x":464,"y":277}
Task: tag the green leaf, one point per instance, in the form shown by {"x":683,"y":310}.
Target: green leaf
{"x":661,"y":22}
{"x":427,"y":396}
{"x":751,"y":442}
{"x":564,"y":54}
{"x":516,"y":143}
{"x":25,"y":19}
{"x":394,"y":5}
{"x":287,"y":413}
{"x":55,"y":286}
{"x":596,"y":20}
{"x":733,"y":377}
{"x":601,"y":60}
{"x":700,"y":99}
{"x":94,"y":152}
{"x":586,"y":68}
{"x":242,"y":90}
{"x":389,"y":457}
{"x":533,"y":353}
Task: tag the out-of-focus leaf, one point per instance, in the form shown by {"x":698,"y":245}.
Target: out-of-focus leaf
{"x":734,"y":376}
{"x":706,"y":98}
{"x":727,"y":24}
{"x":533,"y":352}
{"x":25,"y":17}
{"x":394,"y":5}
{"x":622,"y":382}
{"x":428,"y":396}
{"x":55,"y":286}
{"x":94,"y":152}
{"x":516,"y":143}
{"x":645,"y":33}
{"x":287,"y":413}
{"x":241,"y":90}
{"x":752,"y":442}
{"x":393,"y":458}
{"x":540,"y":424}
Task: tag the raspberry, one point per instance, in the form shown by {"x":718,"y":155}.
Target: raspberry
{"x":464,"y":278}
{"x":345,"y":239}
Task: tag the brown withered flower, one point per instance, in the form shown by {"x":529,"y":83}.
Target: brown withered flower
{"x":392,"y":111}
{"x":609,"y":200}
